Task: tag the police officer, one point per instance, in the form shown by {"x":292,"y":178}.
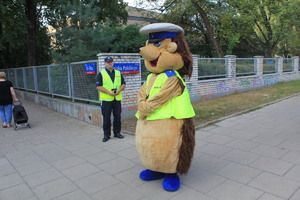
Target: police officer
{"x":110,"y":83}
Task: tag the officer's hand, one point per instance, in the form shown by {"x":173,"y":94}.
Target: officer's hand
{"x":111,"y":93}
{"x":117,"y":92}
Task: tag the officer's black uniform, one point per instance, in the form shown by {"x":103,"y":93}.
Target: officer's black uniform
{"x":111,"y":106}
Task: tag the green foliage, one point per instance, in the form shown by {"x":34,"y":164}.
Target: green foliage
{"x":80,"y":26}
{"x":13,"y":35}
{"x":290,"y":45}
{"x":241,"y":27}
{"x":128,"y":40}
{"x":232,"y":43}
{"x":88,"y":27}
{"x":269,"y":24}
{"x":87,"y":43}
{"x":59,"y":78}
{"x":91,"y":27}
{"x":219,"y":15}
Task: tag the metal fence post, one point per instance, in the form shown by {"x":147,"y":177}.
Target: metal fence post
{"x":35,"y":79}
{"x":49,"y":80}
{"x":16,"y":78}
{"x":71,"y":82}
{"x":24,"y":78}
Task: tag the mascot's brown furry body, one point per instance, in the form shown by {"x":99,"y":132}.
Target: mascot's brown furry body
{"x":165,"y":145}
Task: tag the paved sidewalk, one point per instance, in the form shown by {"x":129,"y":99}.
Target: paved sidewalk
{"x":254,"y":156}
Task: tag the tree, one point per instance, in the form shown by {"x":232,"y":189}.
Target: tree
{"x":31,"y":14}
{"x":209,"y":30}
{"x":12,"y":33}
{"x":20,"y":29}
{"x":81,"y":26}
{"x":267,"y":22}
{"x":241,"y":27}
{"x":195,"y":16}
{"x":126,"y":39}
{"x":290,"y":45}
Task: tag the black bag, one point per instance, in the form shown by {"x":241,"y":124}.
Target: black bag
{"x":20,"y":115}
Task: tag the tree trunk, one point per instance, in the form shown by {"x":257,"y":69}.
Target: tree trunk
{"x":268,"y":50}
{"x":30,"y":10}
{"x":209,"y":29}
{"x":2,"y":62}
{"x":4,"y":52}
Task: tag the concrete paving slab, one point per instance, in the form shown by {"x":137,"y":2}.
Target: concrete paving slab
{"x":96,"y":182}
{"x":296,"y":196}
{"x":240,"y":173}
{"x":294,"y":173}
{"x":42,"y":177}
{"x":274,"y":184}
{"x":81,"y":171}
{"x":10,"y":181}
{"x":21,"y":191}
{"x":118,"y":191}
{"x":267,"y":196}
{"x":271,"y":165}
{"x":270,"y":151}
{"x":54,"y":189}
{"x":75,"y":195}
{"x":234,"y":190}
{"x":241,"y":157}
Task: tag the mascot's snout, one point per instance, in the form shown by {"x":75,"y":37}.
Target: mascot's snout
{"x":150,"y":53}
{"x":161,"y":55}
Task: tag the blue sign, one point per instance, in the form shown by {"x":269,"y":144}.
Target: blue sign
{"x":90,"y":68}
{"x":127,"y":68}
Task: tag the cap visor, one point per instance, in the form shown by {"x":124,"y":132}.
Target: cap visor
{"x":155,"y":40}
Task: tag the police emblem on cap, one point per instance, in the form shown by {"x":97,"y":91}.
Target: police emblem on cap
{"x":107,"y":59}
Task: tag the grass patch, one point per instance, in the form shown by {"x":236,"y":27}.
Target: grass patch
{"x":210,"y":110}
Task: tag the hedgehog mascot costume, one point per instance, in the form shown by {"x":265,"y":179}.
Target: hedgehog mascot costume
{"x":165,"y":132}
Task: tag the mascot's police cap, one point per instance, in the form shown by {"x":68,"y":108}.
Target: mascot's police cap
{"x":161,"y":31}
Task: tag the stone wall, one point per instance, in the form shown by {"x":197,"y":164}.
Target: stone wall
{"x":87,"y":113}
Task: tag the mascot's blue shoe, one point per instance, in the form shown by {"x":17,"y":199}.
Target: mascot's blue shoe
{"x":171,"y":182}
{"x":148,"y":175}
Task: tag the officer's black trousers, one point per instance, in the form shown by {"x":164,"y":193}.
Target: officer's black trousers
{"x":107,"y":108}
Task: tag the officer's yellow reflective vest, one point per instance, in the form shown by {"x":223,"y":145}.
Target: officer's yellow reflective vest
{"x":179,"y":107}
{"x":109,"y":85}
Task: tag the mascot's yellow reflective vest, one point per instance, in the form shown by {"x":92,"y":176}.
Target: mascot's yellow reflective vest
{"x":179,"y":107}
{"x":109,"y":85}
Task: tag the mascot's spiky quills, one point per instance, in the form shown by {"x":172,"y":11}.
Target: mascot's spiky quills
{"x":165,"y":132}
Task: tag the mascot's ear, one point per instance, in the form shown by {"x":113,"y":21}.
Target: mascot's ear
{"x":172,"y":47}
{"x":147,"y":43}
